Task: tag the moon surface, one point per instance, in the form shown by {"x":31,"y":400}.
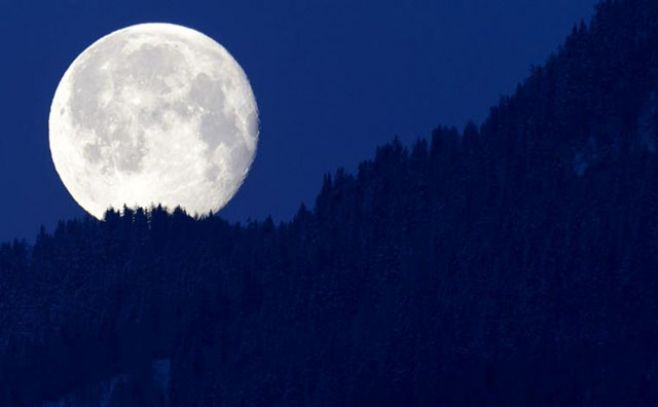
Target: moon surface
{"x":153,"y":114}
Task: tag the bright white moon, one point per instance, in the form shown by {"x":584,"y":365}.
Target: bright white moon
{"x":153,"y":114}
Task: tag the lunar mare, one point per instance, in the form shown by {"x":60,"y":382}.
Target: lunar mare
{"x":153,"y":114}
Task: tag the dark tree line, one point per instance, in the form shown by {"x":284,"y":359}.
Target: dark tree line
{"x":514,"y":263}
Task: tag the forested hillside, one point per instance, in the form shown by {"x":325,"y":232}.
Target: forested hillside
{"x":514,"y":263}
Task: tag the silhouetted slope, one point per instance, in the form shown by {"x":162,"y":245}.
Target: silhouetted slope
{"x":514,"y":264}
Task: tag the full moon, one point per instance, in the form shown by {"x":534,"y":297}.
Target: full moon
{"x":153,"y":114}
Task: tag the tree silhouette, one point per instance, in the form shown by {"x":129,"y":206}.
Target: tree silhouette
{"x":512,"y":263}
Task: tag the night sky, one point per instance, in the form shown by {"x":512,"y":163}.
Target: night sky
{"x":333,"y":79}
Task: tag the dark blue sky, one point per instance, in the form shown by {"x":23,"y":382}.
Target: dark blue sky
{"x":333,"y":79}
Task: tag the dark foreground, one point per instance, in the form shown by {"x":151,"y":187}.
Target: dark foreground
{"x":514,"y":264}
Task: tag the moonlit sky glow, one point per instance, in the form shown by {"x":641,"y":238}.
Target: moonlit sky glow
{"x":333,"y":80}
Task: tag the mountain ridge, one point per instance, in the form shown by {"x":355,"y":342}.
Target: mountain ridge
{"x":511,"y":263}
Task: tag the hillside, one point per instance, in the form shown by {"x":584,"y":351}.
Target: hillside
{"x":515,"y":263}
